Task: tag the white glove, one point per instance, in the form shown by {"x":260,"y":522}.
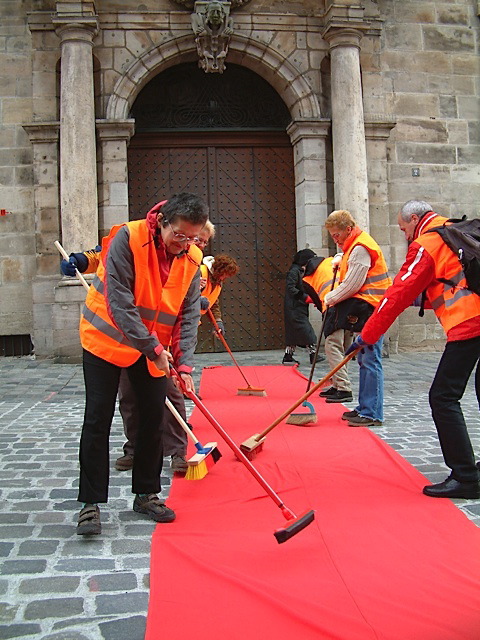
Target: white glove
{"x":337,"y":258}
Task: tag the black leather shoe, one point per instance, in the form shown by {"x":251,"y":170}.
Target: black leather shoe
{"x":451,"y":488}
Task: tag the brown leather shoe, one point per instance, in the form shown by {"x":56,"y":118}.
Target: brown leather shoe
{"x":124,"y":463}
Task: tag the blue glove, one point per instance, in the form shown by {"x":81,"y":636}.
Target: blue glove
{"x":358,"y":343}
{"x":68,"y":266}
{"x":221,"y":328}
{"x":204,"y":303}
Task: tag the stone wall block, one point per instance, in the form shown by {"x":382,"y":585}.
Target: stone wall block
{"x":112,"y":38}
{"x":138,"y":42}
{"x":284,"y":42}
{"x":403,"y":36}
{"x":426,"y":153}
{"x":421,"y":61}
{"x":16,"y":308}
{"x":474,"y":132}
{"x":468,"y":107}
{"x":457,"y":132}
{"x":424,"y":130}
{"x":44,"y":85}
{"x":448,"y":106}
{"x":45,"y":109}
{"x":415,"y":105}
{"x":16,"y":110}
{"x":449,"y":39}
{"x":414,"y":12}
{"x":448,"y":14}
{"x":463,"y":64}
{"x":468,"y":155}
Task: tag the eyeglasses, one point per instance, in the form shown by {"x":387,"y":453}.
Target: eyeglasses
{"x":201,"y":243}
{"x":181,"y":237}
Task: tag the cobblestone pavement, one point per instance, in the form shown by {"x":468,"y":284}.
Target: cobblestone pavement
{"x":55,"y":586}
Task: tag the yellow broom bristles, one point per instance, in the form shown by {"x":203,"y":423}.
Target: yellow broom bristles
{"x":197,"y":471}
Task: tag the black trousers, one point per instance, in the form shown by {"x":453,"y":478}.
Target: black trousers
{"x":454,"y":370}
{"x":101,"y":386}
{"x":174,"y":437}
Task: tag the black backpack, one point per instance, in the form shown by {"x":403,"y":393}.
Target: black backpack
{"x":463,"y":238}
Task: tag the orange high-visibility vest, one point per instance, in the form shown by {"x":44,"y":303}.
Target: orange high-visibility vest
{"x":321,"y":279}
{"x":377,"y":280}
{"x":211,"y":291}
{"x":157,"y":304}
{"x":452,"y":305}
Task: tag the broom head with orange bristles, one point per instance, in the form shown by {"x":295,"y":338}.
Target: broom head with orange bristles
{"x":251,"y":391}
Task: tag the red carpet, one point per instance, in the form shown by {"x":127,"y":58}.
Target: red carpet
{"x":381,"y":561}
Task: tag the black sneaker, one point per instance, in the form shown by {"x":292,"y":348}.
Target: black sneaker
{"x":153,"y":507}
{"x":340,"y":396}
{"x":331,"y":391}
{"x":289,"y":359}
{"x":347,"y":415}
{"x":320,"y":358}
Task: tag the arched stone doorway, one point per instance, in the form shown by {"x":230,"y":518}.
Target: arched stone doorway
{"x":224,"y":137}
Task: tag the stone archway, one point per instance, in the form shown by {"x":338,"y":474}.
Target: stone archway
{"x":307,"y":131}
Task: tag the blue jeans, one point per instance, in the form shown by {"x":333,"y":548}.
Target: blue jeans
{"x":370,"y":391}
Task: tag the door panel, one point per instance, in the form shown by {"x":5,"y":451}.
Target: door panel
{"x":249,"y":187}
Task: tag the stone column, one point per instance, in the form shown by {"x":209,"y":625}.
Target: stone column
{"x":78,"y":174}
{"x":348,"y":130}
{"x":310,"y":165}
{"x":113,"y":137}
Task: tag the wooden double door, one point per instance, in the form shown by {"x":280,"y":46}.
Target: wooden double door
{"x":247,"y":181}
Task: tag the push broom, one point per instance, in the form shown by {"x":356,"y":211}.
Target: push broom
{"x":295,"y":523}
{"x":310,"y":418}
{"x":245,"y":391}
{"x":253,"y":445}
{"x":205,"y":457}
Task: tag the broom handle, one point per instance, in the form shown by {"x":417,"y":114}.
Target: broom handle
{"x":236,"y":450}
{"x":224,"y":342}
{"x":307,"y":394}
{"x":321,"y":332}
{"x":67,"y":258}
{"x":181,"y":421}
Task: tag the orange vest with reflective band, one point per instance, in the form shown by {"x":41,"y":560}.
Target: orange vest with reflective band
{"x":321,"y":279}
{"x":377,"y":280}
{"x":157,"y":304}
{"x":211,"y":291}
{"x":452,"y":305}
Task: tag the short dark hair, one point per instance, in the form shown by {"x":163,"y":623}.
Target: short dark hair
{"x":188,"y":206}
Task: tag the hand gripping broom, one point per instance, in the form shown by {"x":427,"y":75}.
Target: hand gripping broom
{"x":67,"y":258}
{"x":254,"y":444}
{"x":206,"y":456}
{"x":295,"y":523}
{"x":248,"y":390}
{"x":310,"y":418}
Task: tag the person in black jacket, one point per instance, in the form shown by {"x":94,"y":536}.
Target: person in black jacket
{"x":298,"y":330}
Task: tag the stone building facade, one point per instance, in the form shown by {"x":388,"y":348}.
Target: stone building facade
{"x":382,"y":98}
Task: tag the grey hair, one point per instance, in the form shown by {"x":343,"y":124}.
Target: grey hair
{"x":417,"y":207}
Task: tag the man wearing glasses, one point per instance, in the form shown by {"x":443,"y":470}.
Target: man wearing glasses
{"x":145,"y":297}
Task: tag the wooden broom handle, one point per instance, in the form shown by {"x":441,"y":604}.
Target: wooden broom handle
{"x":67,"y":258}
{"x":224,"y":342}
{"x":308,"y":394}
